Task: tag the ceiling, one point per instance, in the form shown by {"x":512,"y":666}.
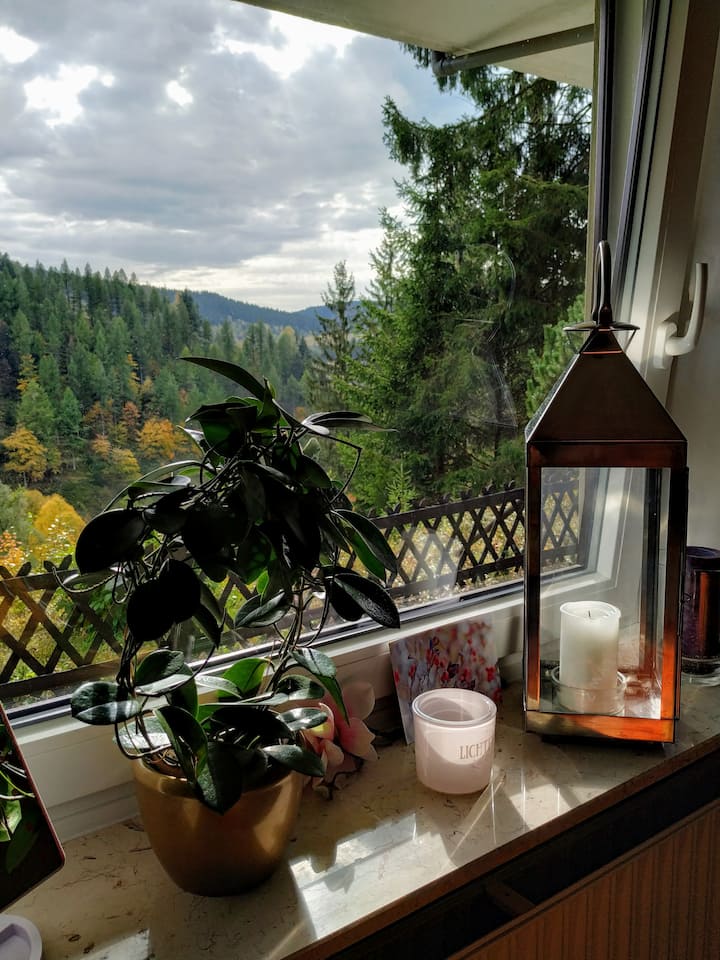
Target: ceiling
{"x":459,"y":27}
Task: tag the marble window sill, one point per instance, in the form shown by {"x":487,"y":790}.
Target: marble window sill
{"x":381,"y":848}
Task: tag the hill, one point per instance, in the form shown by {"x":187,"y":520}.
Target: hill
{"x":217,"y":308}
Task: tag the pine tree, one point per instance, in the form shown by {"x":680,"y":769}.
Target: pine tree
{"x":36,"y":412}
{"x":548,"y":363}
{"x":68,"y":428}
{"x":494,"y":251}
{"x":335,"y":340}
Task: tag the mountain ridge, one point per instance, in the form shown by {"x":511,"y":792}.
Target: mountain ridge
{"x":216,"y":308}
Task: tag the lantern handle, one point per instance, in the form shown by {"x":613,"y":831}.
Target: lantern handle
{"x":602,"y":311}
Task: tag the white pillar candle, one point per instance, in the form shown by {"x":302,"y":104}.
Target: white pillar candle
{"x":589,"y":638}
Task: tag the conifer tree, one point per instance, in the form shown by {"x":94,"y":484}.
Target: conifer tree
{"x":445,"y":359}
{"x":335,"y":340}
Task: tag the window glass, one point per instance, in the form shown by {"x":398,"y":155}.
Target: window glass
{"x":310,"y":203}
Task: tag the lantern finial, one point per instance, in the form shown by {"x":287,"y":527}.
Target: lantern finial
{"x":601,"y":317}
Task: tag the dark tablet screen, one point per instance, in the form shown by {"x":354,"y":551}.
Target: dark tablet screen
{"x":29,"y":849}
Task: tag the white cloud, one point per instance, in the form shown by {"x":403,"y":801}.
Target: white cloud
{"x":15,"y":48}
{"x":294,"y":42}
{"x":143,"y":142}
{"x":59,"y":96}
{"x":178,"y":93}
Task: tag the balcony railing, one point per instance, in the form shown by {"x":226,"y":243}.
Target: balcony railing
{"x":51,"y":641}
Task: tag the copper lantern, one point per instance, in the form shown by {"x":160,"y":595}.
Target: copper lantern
{"x":606,"y":515}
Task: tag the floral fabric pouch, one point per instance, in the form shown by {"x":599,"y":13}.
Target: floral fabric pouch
{"x":455,"y":655}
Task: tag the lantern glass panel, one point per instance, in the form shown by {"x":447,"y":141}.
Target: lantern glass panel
{"x":602,"y":589}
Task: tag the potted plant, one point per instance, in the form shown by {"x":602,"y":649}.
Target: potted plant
{"x":257,"y":505}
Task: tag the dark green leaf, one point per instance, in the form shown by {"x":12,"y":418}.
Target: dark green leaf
{"x":311,"y":474}
{"x":334,"y":534}
{"x":12,"y":814}
{"x":182,"y":588}
{"x":249,"y":497}
{"x":252,"y":721}
{"x":109,"y":538}
{"x":150,"y":613}
{"x":369,"y":596}
{"x":315,"y":662}
{"x":340,"y":419}
{"x":372,"y":536}
{"x":296,"y":758}
{"x":233,"y":372}
{"x":365,"y":554}
{"x":323,"y":669}
{"x":207,"y":621}
{"x":207,"y":534}
{"x":226,"y":424}
{"x":220,"y":779}
{"x":208,"y":681}
{"x":247,"y":674}
{"x":158,"y":665}
{"x":135,"y":741}
{"x":185,"y":695}
{"x":186,"y":736}
{"x":303,"y":718}
{"x":101,"y":703}
{"x":166,"y":515}
{"x":178,"y":471}
{"x":269,"y":476}
{"x":257,"y":612}
{"x":166,"y":686}
{"x":294,"y":686}
{"x":84,"y":582}
{"x":252,"y":556}
{"x":254,"y":767}
{"x":177,"y":486}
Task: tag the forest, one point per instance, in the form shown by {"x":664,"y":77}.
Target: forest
{"x":452,"y":346}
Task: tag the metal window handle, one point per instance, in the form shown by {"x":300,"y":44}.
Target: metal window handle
{"x":667,"y":343}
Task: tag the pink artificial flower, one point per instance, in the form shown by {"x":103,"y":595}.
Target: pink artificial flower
{"x":337,"y":738}
{"x":321,"y":740}
{"x":352,"y":734}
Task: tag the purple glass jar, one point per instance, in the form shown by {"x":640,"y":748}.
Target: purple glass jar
{"x":700,"y":647}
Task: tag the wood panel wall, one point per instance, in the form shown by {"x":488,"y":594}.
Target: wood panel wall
{"x":659,"y":902}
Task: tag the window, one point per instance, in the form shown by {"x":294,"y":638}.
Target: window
{"x":479,"y":247}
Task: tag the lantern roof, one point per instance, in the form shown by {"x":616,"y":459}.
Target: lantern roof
{"x":602,"y":401}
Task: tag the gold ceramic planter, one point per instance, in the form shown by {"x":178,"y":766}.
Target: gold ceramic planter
{"x":214,"y":854}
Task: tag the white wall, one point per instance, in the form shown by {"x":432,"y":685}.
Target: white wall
{"x":694,"y":397}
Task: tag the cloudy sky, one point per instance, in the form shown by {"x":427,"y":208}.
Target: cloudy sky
{"x":199,"y":143}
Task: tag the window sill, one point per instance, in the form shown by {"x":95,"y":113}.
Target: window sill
{"x":382,"y":849}
{"x":86,"y":784}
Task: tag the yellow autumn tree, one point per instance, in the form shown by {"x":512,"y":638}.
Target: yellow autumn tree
{"x":158,"y":439}
{"x":25,"y":456}
{"x":12,"y":554}
{"x":101,"y":448}
{"x":113,"y":464}
{"x":125,"y":463}
{"x":56,"y":527}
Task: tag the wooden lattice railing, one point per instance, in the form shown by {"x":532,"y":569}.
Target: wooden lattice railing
{"x":48,"y":640}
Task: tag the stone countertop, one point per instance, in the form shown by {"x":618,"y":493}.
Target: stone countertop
{"x":381,"y":847}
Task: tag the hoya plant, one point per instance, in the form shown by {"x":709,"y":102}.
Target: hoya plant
{"x":256,"y":505}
